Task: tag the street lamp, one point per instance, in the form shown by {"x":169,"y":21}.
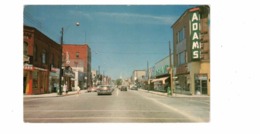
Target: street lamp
{"x":61,"y":43}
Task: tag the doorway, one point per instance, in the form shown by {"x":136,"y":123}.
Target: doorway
{"x":24,"y":84}
{"x":201,"y":84}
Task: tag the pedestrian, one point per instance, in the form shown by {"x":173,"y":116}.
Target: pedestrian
{"x":65,"y":88}
{"x":78,"y":89}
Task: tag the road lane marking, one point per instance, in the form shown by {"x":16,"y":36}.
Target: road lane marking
{"x":195,"y":119}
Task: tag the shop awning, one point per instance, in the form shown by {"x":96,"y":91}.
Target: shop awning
{"x":160,"y":79}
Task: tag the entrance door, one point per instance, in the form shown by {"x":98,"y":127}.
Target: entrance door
{"x":201,"y":85}
{"x":24,"y":84}
{"x":204,"y":86}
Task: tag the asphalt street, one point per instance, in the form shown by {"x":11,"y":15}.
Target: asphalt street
{"x":120,"y":107}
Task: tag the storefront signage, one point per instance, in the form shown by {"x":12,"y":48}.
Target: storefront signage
{"x":55,"y":69}
{"x":195,"y":35}
{"x":28,"y":67}
{"x":162,"y":70}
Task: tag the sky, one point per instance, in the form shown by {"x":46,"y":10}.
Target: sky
{"x":122,"y":38}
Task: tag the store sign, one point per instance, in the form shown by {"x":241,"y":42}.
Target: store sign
{"x":55,"y":69}
{"x":162,"y":70}
{"x":195,"y":35}
{"x":28,"y":67}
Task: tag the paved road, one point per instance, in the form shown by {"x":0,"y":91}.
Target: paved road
{"x":121,"y":106}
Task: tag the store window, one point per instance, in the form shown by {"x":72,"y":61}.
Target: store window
{"x":35,"y":79}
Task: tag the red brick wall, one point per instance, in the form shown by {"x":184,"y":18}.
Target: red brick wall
{"x":72,"y":49}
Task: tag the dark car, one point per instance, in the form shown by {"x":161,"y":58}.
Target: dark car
{"x":104,"y":89}
{"x":134,"y":87}
{"x":123,"y":88}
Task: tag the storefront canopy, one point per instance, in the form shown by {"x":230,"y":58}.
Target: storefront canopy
{"x":160,"y":79}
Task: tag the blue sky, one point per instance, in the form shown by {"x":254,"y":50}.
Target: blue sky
{"x":122,"y":38}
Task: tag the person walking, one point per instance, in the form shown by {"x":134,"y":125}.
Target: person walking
{"x":78,"y":89}
{"x":65,"y":88}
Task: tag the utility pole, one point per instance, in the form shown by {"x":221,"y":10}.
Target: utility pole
{"x":171,"y":69}
{"x":61,"y":43}
{"x":148,"y":76}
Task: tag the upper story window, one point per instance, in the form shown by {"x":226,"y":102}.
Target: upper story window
{"x":35,"y":52}
{"x":25,"y":48}
{"x":77,"y":54}
{"x":181,"y":35}
{"x":44,"y":56}
{"x":53,"y":60}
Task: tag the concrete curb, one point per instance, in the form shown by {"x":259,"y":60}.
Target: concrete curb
{"x":51,"y":95}
{"x":174,"y":95}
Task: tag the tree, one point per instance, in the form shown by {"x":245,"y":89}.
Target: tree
{"x":118,"y":82}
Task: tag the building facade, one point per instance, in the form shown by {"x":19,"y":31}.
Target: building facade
{"x":41,"y":62}
{"x":192,"y":51}
{"x":160,"y":76}
{"x":138,"y":76}
{"x":78,"y":57}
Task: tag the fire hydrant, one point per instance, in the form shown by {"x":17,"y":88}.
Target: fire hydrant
{"x":169,"y":91}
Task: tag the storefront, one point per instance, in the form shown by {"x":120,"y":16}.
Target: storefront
{"x":35,"y":80}
{"x":193,"y":78}
{"x":160,"y":84}
{"x":182,"y":80}
{"x":68,"y":78}
{"x":54,"y":80}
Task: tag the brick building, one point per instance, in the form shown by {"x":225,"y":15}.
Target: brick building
{"x":78,"y":57}
{"x":192,"y":51}
{"x":41,"y":62}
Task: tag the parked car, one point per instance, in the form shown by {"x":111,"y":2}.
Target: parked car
{"x":134,"y":87}
{"x":123,"y":88}
{"x":104,"y":89}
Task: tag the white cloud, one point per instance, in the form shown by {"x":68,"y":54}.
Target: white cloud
{"x":138,"y":18}
{"x":128,"y":18}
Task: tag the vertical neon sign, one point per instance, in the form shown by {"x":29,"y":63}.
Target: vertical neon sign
{"x":195,"y":35}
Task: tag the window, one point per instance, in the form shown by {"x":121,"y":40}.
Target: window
{"x":35,"y":53}
{"x":181,"y":35}
{"x":44,"y":57}
{"x":77,"y":54}
{"x":182,"y":58}
{"x":53,"y":60}
{"x":25,"y":48}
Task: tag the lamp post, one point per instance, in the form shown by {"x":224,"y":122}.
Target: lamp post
{"x":61,"y":43}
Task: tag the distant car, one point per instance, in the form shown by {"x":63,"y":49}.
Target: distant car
{"x":92,"y":89}
{"x":123,"y":88}
{"x":134,"y":87}
{"x":104,"y":89}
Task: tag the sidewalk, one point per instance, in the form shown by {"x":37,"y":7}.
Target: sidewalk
{"x":52,"y":94}
{"x":173,"y":95}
